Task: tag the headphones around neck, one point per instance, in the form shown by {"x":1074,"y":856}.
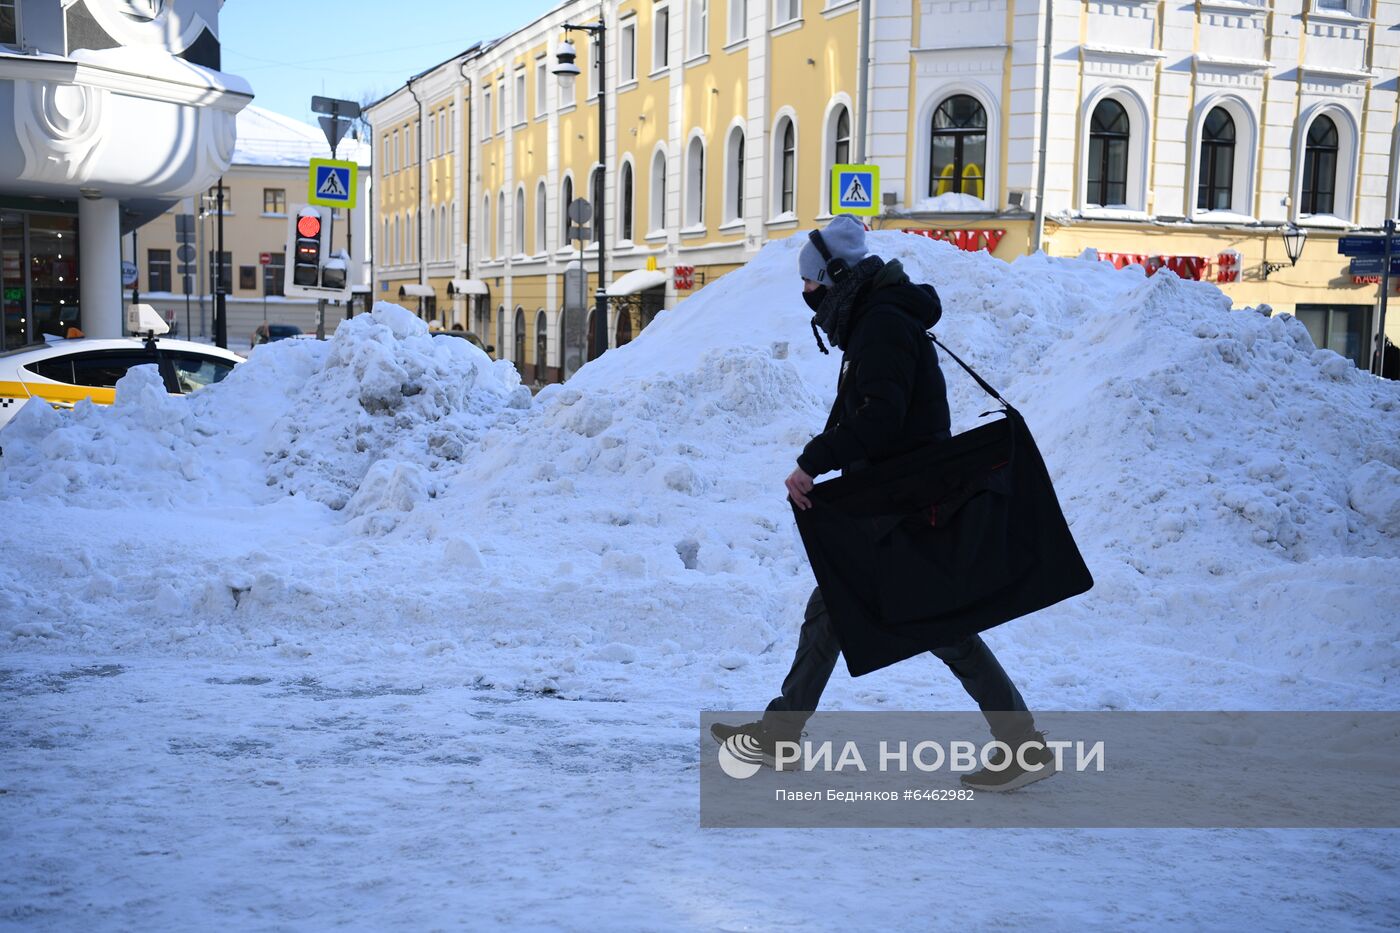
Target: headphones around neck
{"x":837,"y":269}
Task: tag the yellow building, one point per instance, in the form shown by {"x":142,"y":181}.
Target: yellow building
{"x":1181,"y":138}
{"x":265,"y":183}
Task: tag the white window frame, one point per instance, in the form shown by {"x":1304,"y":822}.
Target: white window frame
{"x":500,"y":105}
{"x":519,"y":220}
{"x":486,"y":112}
{"x":660,"y":38}
{"x":627,"y":53}
{"x":541,"y":217}
{"x":394,"y":157}
{"x":1139,"y":132}
{"x":486,"y":229}
{"x":656,"y":193}
{"x":738,"y":21}
{"x":777,"y":214}
{"x":991,"y":172}
{"x":697,"y":28}
{"x":829,"y":122}
{"x":1344,"y":189}
{"x":693,"y":184}
{"x":786,"y":11}
{"x":1246,"y":147}
{"x":541,"y":87}
{"x":520,"y":96}
{"x":734,"y":181}
{"x":19,"y":27}
{"x":627,"y":167}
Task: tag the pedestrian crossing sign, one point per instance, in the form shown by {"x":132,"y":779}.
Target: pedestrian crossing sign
{"x":331,"y":183}
{"x":855,"y":189}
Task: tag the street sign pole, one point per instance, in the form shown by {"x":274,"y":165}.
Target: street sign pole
{"x":1385,"y":294}
{"x":220,"y":304}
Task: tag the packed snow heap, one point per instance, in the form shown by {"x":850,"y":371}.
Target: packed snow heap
{"x":1225,"y":479}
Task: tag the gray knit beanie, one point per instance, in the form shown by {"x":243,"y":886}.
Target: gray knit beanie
{"x":844,"y":238}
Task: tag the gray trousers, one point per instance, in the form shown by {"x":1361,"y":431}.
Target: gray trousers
{"x":970,"y":660}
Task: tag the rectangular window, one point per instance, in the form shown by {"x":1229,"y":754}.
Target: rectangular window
{"x":520,"y":96}
{"x":274,"y":274}
{"x":9,"y":22}
{"x":501,"y":106}
{"x":274,"y":200}
{"x":738,"y":20}
{"x":384,"y":169}
{"x":214,"y":199}
{"x":485,"y":113}
{"x":698,"y":43}
{"x":627,"y":67}
{"x":451,"y":127}
{"x":225,"y":269}
{"x":394,"y":153}
{"x":785,"y":11}
{"x":1345,"y":329}
{"x":247,"y":278}
{"x":541,"y":87}
{"x":158,"y":270}
{"x":660,"y":39}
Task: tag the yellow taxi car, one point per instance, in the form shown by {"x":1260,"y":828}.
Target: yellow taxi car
{"x":63,"y":372}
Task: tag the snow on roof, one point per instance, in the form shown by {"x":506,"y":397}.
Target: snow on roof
{"x":267,"y":138}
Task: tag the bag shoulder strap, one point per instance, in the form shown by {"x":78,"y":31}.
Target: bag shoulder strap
{"x":986,"y":387}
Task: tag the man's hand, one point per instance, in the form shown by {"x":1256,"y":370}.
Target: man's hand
{"x":798,"y":485}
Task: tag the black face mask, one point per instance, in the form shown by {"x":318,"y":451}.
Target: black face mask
{"x":815,"y":297}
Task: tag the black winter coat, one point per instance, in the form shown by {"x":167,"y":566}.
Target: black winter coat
{"x":890,"y":396}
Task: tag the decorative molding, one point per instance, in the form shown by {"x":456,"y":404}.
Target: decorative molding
{"x":1104,"y":61}
{"x":60,"y":130}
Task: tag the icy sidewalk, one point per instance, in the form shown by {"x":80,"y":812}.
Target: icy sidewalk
{"x":168,"y":794}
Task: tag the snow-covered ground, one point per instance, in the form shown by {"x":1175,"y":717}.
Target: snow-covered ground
{"x":365,"y":635}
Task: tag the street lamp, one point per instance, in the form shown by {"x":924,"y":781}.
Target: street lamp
{"x":567,"y":69}
{"x":1294,"y":237}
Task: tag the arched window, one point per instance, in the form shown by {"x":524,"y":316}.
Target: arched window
{"x":658,"y":191}
{"x":566,"y":197}
{"x":501,"y":224}
{"x":1108,"y":154}
{"x":540,"y":207}
{"x":1213,"y":193}
{"x":432,"y":232}
{"x":625,"y":207}
{"x":500,"y":340}
{"x":519,"y":338}
{"x":386,"y":244}
{"x":787,"y":166}
{"x":695,"y":183}
{"x":595,"y":185}
{"x":541,"y":345}
{"x":409,"y":246}
{"x":520,"y":221}
{"x":959,"y":148}
{"x":734,"y":175}
{"x":1320,"y":167}
{"x":841,"y":137}
{"x":485,"y":250}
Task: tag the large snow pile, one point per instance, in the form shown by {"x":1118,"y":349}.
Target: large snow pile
{"x":301,"y":417}
{"x":1230,"y":484}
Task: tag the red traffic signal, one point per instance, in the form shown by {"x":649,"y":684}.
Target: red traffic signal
{"x":309,"y":225}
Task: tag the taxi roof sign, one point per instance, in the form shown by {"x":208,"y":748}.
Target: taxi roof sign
{"x":331,"y":183}
{"x":855,"y":189}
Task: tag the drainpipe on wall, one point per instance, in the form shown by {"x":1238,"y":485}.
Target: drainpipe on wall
{"x":863,"y":81}
{"x":1038,"y":235}
{"x":467,"y":196}
{"x":418,"y":132}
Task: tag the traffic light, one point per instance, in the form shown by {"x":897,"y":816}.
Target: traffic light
{"x":306,"y":248}
{"x":316,"y":271}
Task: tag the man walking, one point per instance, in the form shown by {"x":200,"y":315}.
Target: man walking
{"x":891,"y":398}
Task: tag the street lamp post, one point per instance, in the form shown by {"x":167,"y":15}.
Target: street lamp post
{"x":566,"y":68}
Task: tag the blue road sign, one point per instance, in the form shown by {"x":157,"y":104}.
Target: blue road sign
{"x":1374,"y":265}
{"x":332,"y":183}
{"x":1367,"y":245}
{"x":855,"y":189}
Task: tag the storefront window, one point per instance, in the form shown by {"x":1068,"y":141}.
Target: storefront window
{"x":1342,"y":328}
{"x":13,"y":298}
{"x":53,"y":274}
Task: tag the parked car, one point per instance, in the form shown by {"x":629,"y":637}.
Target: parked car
{"x":486,"y":348}
{"x":267,"y":333}
{"x":63,"y":372}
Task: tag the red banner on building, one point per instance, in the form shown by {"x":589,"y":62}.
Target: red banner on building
{"x":685,"y":278}
{"x":1185,"y":267}
{"x":967,"y":240}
